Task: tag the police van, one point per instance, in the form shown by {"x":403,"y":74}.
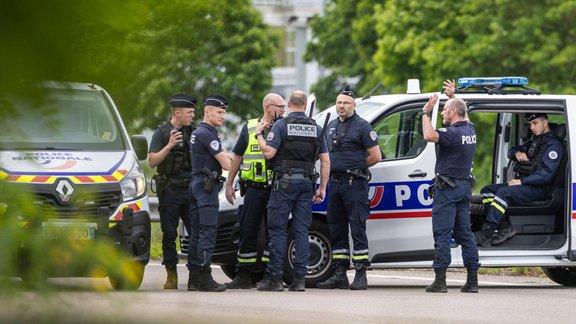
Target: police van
{"x":66,"y":147}
{"x":399,"y":228}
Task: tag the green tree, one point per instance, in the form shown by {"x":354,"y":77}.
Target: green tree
{"x":198,"y":47}
{"x":344,"y":41}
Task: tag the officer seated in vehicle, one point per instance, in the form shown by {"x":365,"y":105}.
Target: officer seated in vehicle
{"x":537,"y":162}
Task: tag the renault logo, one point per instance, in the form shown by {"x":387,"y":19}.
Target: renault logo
{"x":64,"y":190}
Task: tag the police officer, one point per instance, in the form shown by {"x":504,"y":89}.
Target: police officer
{"x":294,"y":142}
{"x":256,"y":182}
{"x":170,"y":152}
{"x":353,"y":148}
{"x":208,"y":160}
{"x":456,"y":144}
{"x":537,"y":162}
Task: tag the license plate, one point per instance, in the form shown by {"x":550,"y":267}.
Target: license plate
{"x":70,"y":231}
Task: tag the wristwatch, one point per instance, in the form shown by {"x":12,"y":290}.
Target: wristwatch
{"x":257,"y":134}
{"x":427,"y":113}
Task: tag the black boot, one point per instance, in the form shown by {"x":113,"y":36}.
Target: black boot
{"x":360,"y":282}
{"x":485,"y":236}
{"x":338,"y":280}
{"x":439,"y":284}
{"x":471,"y":285}
{"x":298,"y":284}
{"x":171,"y":277}
{"x":274,"y":283}
{"x":242,"y":280}
{"x":193,"y":279}
{"x":207,"y":283}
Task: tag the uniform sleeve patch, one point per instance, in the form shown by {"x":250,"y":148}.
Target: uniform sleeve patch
{"x":442,"y":129}
{"x":215,"y":145}
{"x":553,"y":155}
{"x":270,"y":136}
{"x":373,"y":135}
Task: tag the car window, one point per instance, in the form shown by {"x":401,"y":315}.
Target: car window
{"x":400,"y":134}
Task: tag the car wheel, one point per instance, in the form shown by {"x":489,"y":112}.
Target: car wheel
{"x":565,"y":276}
{"x":320,"y":257}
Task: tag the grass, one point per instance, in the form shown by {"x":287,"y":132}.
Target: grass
{"x":156,"y":242}
{"x":514,"y":271}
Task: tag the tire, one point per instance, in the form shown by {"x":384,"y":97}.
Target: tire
{"x":320,"y":258}
{"x":129,"y":277}
{"x":565,"y":276}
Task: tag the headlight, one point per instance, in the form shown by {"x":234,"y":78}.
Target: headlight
{"x":134,"y":184}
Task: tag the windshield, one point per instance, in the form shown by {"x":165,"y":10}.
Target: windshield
{"x":59,"y":119}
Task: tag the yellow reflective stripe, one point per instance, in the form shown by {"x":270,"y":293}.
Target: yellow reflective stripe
{"x":340,"y":256}
{"x":265,"y":259}
{"x":360,"y":257}
{"x":251,"y":260}
{"x":487,"y":200}
{"x":500,"y":208}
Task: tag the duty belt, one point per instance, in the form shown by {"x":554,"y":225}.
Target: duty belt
{"x":258,"y":185}
{"x":293,"y":176}
{"x":178,"y":182}
{"x":350,"y":174}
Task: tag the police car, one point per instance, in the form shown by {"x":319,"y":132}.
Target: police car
{"x":399,"y":228}
{"x":66,"y":146}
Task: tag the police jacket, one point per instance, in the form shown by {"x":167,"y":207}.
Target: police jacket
{"x":254,"y":166}
{"x":298,"y":137}
{"x":545,"y":153}
{"x":177,"y":161}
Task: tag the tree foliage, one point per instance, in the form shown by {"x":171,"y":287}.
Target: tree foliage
{"x":143,"y":52}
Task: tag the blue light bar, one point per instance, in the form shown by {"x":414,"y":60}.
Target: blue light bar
{"x":505,"y":81}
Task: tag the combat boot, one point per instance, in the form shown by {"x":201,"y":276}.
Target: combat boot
{"x":439,"y":284}
{"x":505,"y":232}
{"x":265,"y":278}
{"x":171,"y":277}
{"x":298,"y":284}
{"x":471,"y":285}
{"x":360,"y":282}
{"x":274,"y":283}
{"x":242,"y":280}
{"x":193,"y":279}
{"x":207,"y":283}
{"x":485,"y":236}
{"x":338,"y":280}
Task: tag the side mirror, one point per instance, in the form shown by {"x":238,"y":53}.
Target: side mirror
{"x":140,"y":144}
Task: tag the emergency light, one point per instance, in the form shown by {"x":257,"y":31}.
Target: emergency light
{"x":504,"y":81}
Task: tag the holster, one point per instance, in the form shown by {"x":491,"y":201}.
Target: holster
{"x":243,"y":185}
{"x":159,"y":185}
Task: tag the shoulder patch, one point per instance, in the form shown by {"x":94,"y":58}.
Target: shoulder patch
{"x":373,"y":135}
{"x":215,"y":145}
{"x":442,"y":129}
{"x":553,"y":155}
{"x":270,"y":136}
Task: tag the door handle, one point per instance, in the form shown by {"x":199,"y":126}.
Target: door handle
{"x":417,"y":174}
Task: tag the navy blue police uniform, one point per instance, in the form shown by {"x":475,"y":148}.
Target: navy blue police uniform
{"x":295,"y":138}
{"x":545,"y":153}
{"x":451,"y":205}
{"x":348,"y":203}
{"x":253,"y":210}
{"x":172,"y":182}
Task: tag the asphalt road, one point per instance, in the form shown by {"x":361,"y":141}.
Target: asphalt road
{"x":394,"y":296}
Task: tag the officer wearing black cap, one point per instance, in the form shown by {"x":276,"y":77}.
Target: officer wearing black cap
{"x":170,"y":152}
{"x":208,"y":160}
{"x":456,"y":144}
{"x":537,"y":162}
{"x":353,"y":148}
{"x":294,"y":143}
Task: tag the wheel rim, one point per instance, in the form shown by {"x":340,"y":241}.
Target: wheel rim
{"x":319,"y":257}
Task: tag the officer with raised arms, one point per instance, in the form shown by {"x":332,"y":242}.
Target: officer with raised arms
{"x":170,"y":152}
{"x":353,"y":148}
{"x":294,"y":142}
{"x":208,"y":161}
{"x":452,"y":185}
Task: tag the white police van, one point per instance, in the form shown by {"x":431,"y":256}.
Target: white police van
{"x":66,"y":146}
{"x":399,"y":228}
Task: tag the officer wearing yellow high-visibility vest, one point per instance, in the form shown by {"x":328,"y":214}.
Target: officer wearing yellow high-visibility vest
{"x":255,"y":183}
